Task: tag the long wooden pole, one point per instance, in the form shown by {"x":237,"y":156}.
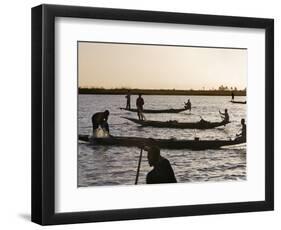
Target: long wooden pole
{"x":138,"y":170}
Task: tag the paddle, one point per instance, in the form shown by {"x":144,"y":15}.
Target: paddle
{"x":138,"y":170}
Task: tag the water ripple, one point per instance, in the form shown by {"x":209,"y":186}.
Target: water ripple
{"x":104,"y":165}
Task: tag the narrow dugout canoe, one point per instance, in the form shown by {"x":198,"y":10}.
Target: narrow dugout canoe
{"x":162,"y":143}
{"x":157,"y":110}
{"x":238,"y":102}
{"x":202,"y":124}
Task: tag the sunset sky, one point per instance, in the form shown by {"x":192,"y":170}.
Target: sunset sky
{"x":112,"y":65}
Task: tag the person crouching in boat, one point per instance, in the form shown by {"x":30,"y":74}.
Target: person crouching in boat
{"x":242,"y":135}
{"x":139,"y":104}
{"x":225,"y":116}
{"x":100,"y":125}
{"x":188,"y":105}
{"x":162,"y":171}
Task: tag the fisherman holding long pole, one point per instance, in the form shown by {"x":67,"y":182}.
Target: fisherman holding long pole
{"x":162,"y":171}
{"x":138,"y":169}
{"x":139,"y":104}
{"x":128,"y":97}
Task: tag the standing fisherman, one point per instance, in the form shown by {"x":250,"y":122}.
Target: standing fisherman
{"x":139,"y":104}
{"x":232,"y":96}
{"x":128,"y":97}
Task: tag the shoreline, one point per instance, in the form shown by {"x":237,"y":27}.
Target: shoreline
{"x":161,"y":92}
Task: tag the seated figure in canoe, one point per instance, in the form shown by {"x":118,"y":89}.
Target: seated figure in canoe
{"x":187,"y":105}
{"x":162,"y":171}
{"x":225,"y":115}
{"x":242,"y":135}
{"x":203,"y":121}
{"x":100,"y":125}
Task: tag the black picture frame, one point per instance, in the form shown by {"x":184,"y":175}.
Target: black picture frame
{"x":43,"y":114}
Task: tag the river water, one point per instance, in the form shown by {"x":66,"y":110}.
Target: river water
{"x":107,"y":165}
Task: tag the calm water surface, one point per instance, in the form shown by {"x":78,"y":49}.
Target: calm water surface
{"x":101,"y":165}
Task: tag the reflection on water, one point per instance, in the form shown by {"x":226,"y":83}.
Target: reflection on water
{"x":101,"y":165}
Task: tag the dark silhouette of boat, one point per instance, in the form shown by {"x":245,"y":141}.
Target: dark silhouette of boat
{"x":238,"y":102}
{"x":202,"y":124}
{"x":140,"y":142}
{"x":157,"y":110}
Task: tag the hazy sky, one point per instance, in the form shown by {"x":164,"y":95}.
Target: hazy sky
{"x":111,"y":65}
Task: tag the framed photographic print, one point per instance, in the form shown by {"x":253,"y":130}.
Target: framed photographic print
{"x":142,"y":114}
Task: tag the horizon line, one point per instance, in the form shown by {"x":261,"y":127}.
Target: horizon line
{"x":169,"y":89}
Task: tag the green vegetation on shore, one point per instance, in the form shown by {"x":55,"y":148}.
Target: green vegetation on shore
{"x":120,"y":91}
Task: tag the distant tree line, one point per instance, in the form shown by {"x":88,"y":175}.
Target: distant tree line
{"x":221,"y":91}
{"x":226,"y":88}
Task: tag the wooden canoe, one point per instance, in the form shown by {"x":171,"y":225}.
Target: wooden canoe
{"x":162,"y":143}
{"x":239,"y":102}
{"x":202,"y":124}
{"x":157,"y":110}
